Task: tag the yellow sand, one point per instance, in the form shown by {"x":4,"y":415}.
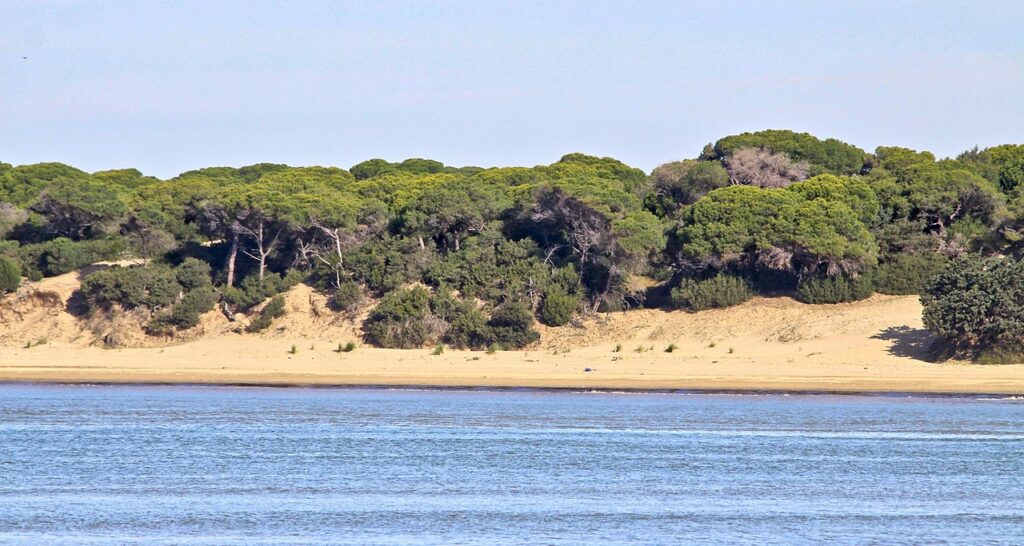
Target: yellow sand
{"x":765,"y":344}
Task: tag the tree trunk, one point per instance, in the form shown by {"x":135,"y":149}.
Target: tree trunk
{"x":232,"y":254}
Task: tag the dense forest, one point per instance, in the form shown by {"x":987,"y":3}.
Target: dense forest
{"x":471,"y":256}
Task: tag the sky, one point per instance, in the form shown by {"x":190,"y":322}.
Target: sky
{"x":171,"y":86}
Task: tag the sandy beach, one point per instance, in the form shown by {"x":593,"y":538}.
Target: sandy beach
{"x":775,"y":344}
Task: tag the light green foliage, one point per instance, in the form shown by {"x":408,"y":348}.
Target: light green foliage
{"x":793,"y":230}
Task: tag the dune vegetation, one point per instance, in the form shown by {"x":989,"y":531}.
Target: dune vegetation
{"x":471,"y":257}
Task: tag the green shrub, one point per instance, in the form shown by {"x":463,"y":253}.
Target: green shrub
{"x":151,"y":286}
{"x":193,"y":274}
{"x":10,"y":274}
{"x":63,"y":255}
{"x":252,"y":292}
{"x":719,"y":291}
{"x":467,"y":327}
{"x":347,"y":297}
{"x":835,"y":289}
{"x":976,"y":305}
{"x":558,"y":308}
{"x":273,"y":310}
{"x":908,"y":274}
{"x":401,"y":320}
{"x":511,"y":326}
{"x":196,"y":302}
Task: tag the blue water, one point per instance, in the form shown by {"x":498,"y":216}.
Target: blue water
{"x":199,"y":465}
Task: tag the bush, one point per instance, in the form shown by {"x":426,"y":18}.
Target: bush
{"x":252,"y":292}
{"x":152,"y":286}
{"x":63,"y":255}
{"x":908,"y":274}
{"x":718,"y":291}
{"x":401,"y":320}
{"x":347,"y":297}
{"x":467,"y":328}
{"x":271,"y":311}
{"x":10,"y":274}
{"x":193,"y":274}
{"x":558,"y":308}
{"x":835,"y":289}
{"x":975,"y":305}
{"x":186,"y":313}
{"x":511,"y":326}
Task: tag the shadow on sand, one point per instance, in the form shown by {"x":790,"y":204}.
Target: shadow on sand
{"x":916,"y":343}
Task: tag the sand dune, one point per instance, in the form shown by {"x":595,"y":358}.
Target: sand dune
{"x":768,"y":343}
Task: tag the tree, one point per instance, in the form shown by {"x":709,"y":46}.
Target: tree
{"x":822,"y":156}
{"x":976,"y":304}
{"x":80,"y":208}
{"x":680,"y":183}
{"x":763,"y":169}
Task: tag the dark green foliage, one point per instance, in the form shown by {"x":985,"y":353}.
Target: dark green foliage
{"x":402,"y":320}
{"x":252,"y":291}
{"x":511,"y":326}
{"x":196,"y":302}
{"x":347,"y":297}
{"x":718,"y":291}
{"x":829,"y":155}
{"x":907,"y":274}
{"x":467,"y":328}
{"x":272,"y":310}
{"x":10,"y":274}
{"x":680,"y":183}
{"x":63,"y":255}
{"x":558,"y":308}
{"x":835,"y":289}
{"x":193,"y":274}
{"x":976,"y":305}
{"x":153,"y":286}
{"x":177,"y":297}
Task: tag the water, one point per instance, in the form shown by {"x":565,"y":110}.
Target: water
{"x":196,"y":465}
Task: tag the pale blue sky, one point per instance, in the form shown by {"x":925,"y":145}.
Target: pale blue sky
{"x":171,"y":86}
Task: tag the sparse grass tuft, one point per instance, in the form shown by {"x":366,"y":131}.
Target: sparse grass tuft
{"x":711,"y":345}
{"x":671,"y":348}
{"x":438,"y":349}
{"x":348,"y":348}
{"x":293,"y":350}
{"x":618,"y":348}
{"x":730,"y":350}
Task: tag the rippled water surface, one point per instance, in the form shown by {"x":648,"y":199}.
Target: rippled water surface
{"x":198,"y":465}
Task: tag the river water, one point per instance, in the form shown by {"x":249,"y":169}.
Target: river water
{"x":208,"y":465}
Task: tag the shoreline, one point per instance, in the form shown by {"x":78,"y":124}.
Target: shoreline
{"x":266,"y":363}
{"x":696,"y":391}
